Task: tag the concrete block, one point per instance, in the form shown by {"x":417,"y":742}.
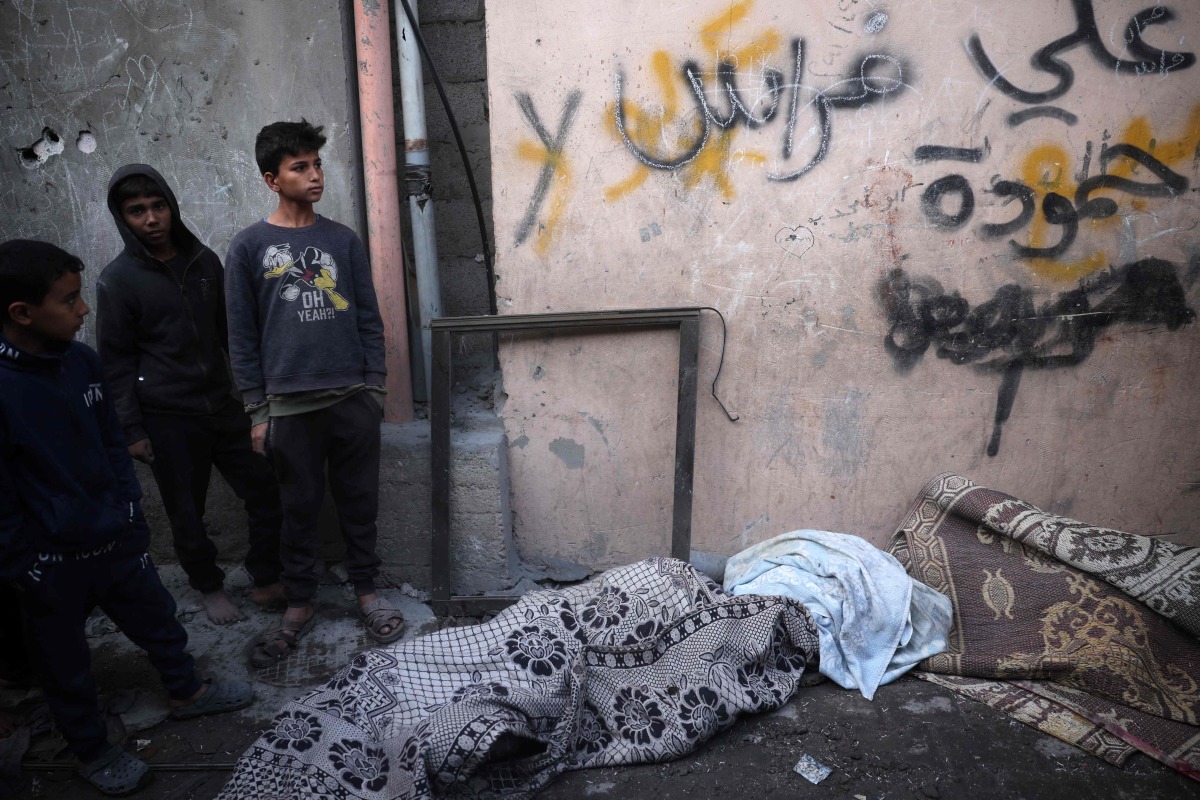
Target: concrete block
{"x":458,"y":231}
{"x":449,"y":10}
{"x":480,"y":522}
{"x":466,"y":41}
{"x":464,"y":287}
{"x":450,"y":178}
{"x":468,"y":101}
{"x":482,"y":551}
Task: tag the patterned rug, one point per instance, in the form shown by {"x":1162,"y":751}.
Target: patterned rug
{"x":1086,"y":633}
{"x":640,"y":665}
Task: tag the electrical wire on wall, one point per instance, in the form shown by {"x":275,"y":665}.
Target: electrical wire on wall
{"x":720,"y":364}
{"x":462,"y":149}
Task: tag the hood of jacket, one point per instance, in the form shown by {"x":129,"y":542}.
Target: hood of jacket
{"x":185,"y":241}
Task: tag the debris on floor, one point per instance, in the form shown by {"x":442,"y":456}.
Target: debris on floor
{"x":812,"y":770}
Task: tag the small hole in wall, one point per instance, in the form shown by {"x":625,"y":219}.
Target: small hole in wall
{"x":86,"y":142}
{"x":36,"y":154}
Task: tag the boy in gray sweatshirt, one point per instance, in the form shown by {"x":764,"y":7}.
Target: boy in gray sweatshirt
{"x":306,"y":344}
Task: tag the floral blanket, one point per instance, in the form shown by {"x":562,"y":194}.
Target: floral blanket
{"x":639,"y":665}
{"x":1087,"y":633}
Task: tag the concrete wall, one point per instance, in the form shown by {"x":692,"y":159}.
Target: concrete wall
{"x":946,"y":235}
{"x":184,"y":87}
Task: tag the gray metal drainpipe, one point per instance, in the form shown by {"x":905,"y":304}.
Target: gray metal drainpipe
{"x":418,"y":180}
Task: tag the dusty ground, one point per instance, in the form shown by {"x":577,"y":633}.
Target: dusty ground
{"x":915,"y":740}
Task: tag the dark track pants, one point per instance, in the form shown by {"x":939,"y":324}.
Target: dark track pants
{"x":344,"y":436}
{"x":186,"y":448}
{"x":14,"y":655}
{"x":128,"y":589}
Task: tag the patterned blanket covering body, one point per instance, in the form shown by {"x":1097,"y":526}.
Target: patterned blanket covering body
{"x":1086,"y":633}
{"x":640,"y":665}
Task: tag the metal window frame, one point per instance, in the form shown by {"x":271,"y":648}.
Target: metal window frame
{"x":686,"y":320}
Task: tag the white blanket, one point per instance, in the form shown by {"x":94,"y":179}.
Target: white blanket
{"x":874,"y":621}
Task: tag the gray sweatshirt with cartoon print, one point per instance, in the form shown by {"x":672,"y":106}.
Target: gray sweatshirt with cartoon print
{"x":302,"y":310}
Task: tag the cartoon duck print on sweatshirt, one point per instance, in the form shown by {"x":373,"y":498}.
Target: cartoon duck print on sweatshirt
{"x":312,"y":280}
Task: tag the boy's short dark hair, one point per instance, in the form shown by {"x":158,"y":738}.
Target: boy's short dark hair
{"x":280,"y":139}
{"x":28,"y":269}
{"x":135,"y":186}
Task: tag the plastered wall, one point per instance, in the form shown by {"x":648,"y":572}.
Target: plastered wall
{"x":946,"y":236}
{"x":89,"y":85}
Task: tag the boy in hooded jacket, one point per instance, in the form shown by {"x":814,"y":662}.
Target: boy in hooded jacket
{"x":72,"y":533}
{"x":163,"y":341}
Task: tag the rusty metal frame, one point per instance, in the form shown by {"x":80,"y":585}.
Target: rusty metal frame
{"x":687,"y":320}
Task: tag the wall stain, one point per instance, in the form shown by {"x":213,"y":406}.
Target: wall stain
{"x":569,"y":451}
{"x":847,"y":445}
{"x":599,"y":426}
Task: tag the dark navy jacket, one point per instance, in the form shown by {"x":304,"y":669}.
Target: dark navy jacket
{"x":162,"y":340}
{"x":67,"y":485}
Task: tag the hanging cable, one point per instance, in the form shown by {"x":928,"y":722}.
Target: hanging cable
{"x":720,"y":364}
{"x":462,"y":149}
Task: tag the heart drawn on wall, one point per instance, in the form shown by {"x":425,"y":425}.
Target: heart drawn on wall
{"x":795,"y":241}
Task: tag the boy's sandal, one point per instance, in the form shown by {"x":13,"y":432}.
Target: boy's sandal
{"x":266,"y":650}
{"x":377,"y":615}
{"x":116,"y":773}
{"x":224,"y":694}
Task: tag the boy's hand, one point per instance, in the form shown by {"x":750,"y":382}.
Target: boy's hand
{"x":142,"y":451}
{"x":258,"y":437}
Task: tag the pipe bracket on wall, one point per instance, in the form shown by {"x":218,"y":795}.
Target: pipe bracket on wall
{"x":418,"y":182}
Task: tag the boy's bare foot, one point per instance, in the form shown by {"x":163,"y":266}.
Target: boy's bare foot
{"x":270,"y":597}
{"x":220,"y":609}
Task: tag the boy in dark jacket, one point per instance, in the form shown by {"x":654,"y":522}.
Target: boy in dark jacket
{"x":72,"y":534}
{"x":162,"y":340}
{"x":306,"y":343}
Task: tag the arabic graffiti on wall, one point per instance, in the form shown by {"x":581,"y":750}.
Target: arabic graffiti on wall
{"x":1147,"y":60}
{"x":699,"y":140}
{"x":1047,"y":197}
{"x":1059,"y":206}
{"x":1010,"y":332}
